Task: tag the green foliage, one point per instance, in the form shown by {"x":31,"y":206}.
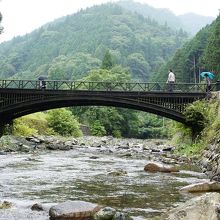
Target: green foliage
{"x":211,"y":56}
{"x":151,"y":126}
{"x":191,"y":143}
{"x":21,"y":129}
{"x":97,"y":129}
{"x":31,"y":124}
{"x":116,"y":74}
{"x":196,"y":116}
{"x":180,"y":133}
{"x":118,"y":121}
{"x":139,"y":66}
{"x":63,"y":122}
{"x":107,"y":62}
{"x":64,"y":50}
{"x":202,"y":53}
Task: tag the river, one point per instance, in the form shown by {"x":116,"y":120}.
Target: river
{"x":89,"y":174}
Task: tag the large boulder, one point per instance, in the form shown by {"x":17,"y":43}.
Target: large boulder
{"x":205,"y":207}
{"x":156,"y":167}
{"x":202,"y":187}
{"x":73,"y":210}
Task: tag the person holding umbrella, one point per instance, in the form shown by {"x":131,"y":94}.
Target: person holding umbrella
{"x":208,"y":76}
{"x":42,"y":82}
{"x":208,"y":81}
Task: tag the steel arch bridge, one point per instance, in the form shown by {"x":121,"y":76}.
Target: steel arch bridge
{"x":22,"y":97}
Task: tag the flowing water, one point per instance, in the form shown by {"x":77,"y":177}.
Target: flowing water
{"x":85,"y":173}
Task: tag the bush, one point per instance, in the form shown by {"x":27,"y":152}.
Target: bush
{"x":97,"y":129}
{"x":20,"y":128}
{"x":31,"y":124}
{"x":63,"y":122}
{"x":196,"y":116}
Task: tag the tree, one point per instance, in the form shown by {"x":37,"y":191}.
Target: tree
{"x":107,"y":61}
{"x":64,"y":122}
{"x":212,"y":52}
{"x":196,"y":116}
{"x":139,"y":66}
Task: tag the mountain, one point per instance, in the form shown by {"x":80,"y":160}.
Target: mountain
{"x":189,"y":22}
{"x":192,"y":23}
{"x":73,"y":45}
{"x":202,"y":53}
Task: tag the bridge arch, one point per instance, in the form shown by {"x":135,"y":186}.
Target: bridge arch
{"x":29,"y":107}
{"x":19,"y":98}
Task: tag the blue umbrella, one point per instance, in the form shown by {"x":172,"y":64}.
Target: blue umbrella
{"x":207,"y":74}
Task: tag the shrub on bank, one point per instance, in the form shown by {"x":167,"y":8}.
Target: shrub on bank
{"x":63,"y":122}
{"x":204,"y":119}
{"x":31,"y":124}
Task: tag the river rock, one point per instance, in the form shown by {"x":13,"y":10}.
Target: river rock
{"x":94,"y":157}
{"x":202,"y":187}
{"x":155,"y":167}
{"x":109,"y":213}
{"x":64,"y":147}
{"x":5,"y":205}
{"x":24,"y":148}
{"x":121,"y":216}
{"x":119,"y":172}
{"x":37,"y":207}
{"x":34,"y":140}
{"x":106,"y":213}
{"x":73,"y":210}
{"x":205,"y":207}
{"x":52,"y":147}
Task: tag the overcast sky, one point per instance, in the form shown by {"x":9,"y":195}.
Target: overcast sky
{"x":23,"y":16}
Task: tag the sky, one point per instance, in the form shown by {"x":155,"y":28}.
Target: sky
{"x":23,"y":16}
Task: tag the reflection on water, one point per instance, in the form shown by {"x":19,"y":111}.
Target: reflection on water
{"x":56,"y":176}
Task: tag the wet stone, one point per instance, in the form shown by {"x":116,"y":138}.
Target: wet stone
{"x":37,"y":207}
{"x":5,"y":205}
{"x":73,"y":210}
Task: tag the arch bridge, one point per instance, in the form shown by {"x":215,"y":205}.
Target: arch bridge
{"x":22,"y":97}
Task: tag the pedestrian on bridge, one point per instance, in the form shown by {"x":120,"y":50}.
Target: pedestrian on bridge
{"x":208,"y":82}
{"x":42,"y":83}
{"x":171,"y":80}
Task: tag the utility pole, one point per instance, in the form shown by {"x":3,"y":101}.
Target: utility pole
{"x":194,"y":67}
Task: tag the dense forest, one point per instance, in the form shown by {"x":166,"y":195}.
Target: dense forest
{"x":73,"y":45}
{"x":106,"y":43}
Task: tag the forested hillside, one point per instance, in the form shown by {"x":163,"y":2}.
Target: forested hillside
{"x":71,"y":46}
{"x":202,"y":53}
{"x":189,"y":22}
{"x":108,"y":43}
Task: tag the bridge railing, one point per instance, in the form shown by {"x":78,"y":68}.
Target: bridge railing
{"x":103,"y":86}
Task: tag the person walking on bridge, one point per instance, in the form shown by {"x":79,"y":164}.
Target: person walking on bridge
{"x":208,"y":82}
{"x":171,"y":80}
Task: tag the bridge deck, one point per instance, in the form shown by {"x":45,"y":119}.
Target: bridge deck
{"x":21,"y":97}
